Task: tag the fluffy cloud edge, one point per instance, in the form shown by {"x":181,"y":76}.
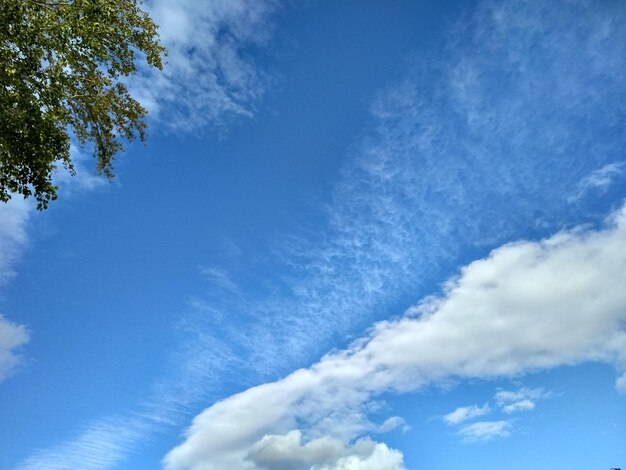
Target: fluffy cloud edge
{"x":502,"y":316}
{"x":287,"y":452}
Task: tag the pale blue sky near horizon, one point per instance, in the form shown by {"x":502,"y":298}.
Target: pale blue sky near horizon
{"x":314,"y":217}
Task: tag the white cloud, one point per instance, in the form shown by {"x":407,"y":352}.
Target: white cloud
{"x":12,"y":336}
{"x":392,"y":423}
{"x":219,"y":278}
{"x":286,"y":452}
{"x":209,"y":79}
{"x":526,"y":307}
{"x":600,"y":179}
{"x":604,"y":177}
{"x":14,"y":216}
{"x":84,"y":178}
{"x":380,"y":458}
{"x":519,"y":400}
{"x":109,"y":440}
{"x":485,"y":430}
{"x":17,"y":212}
{"x":209,"y":76}
{"x":465,"y":413}
{"x":465,"y":152}
{"x":521,"y":405}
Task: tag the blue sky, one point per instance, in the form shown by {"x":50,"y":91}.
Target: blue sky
{"x":361,"y":236}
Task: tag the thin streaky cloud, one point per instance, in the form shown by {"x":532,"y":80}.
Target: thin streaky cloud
{"x":600,"y":179}
{"x":452,"y":163}
{"x":12,"y":338}
{"x":505,"y":397}
{"x":483,"y":431}
{"x":523,"y":399}
{"x":209,"y":80}
{"x":14,"y":219}
{"x":603,"y":177}
{"x":15,"y":223}
{"x":482,"y":326}
{"x":465,"y":413}
{"x":521,"y":405}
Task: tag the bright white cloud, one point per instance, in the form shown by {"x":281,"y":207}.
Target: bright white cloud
{"x":485,"y":430}
{"x":287,"y":452}
{"x":465,"y":413}
{"x":12,"y":336}
{"x":209,"y":75}
{"x":526,"y":307}
{"x":454,"y":161}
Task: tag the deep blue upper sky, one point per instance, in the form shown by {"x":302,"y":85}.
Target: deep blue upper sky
{"x":313,"y":169}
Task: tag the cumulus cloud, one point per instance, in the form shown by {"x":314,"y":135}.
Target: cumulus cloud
{"x":526,"y":307}
{"x":465,"y":413}
{"x":287,"y":452}
{"x":467,"y":150}
{"x":485,"y":430}
{"x":209,"y":75}
{"x":12,"y":336}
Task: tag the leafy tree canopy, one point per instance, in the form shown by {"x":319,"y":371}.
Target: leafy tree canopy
{"x":61,"y":65}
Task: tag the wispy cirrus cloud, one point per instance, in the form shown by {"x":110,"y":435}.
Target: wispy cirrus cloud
{"x":14,"y":220}
{"x":483,"y":431}
{"x":14,"y":216}
{"x":465,"y":413}
{"x":109,"y":440}
{"x":210,"y":76}
{"x":523,"y":399}
{"x":501,"y":317}
{"x":467,"y":151}
{"x":15,"y":223}
{"x":12,"y":337}
{"x":599,"y":180}
{"x":605,"y":176}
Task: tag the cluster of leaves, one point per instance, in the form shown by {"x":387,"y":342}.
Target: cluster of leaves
{"x":61,"y":63}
